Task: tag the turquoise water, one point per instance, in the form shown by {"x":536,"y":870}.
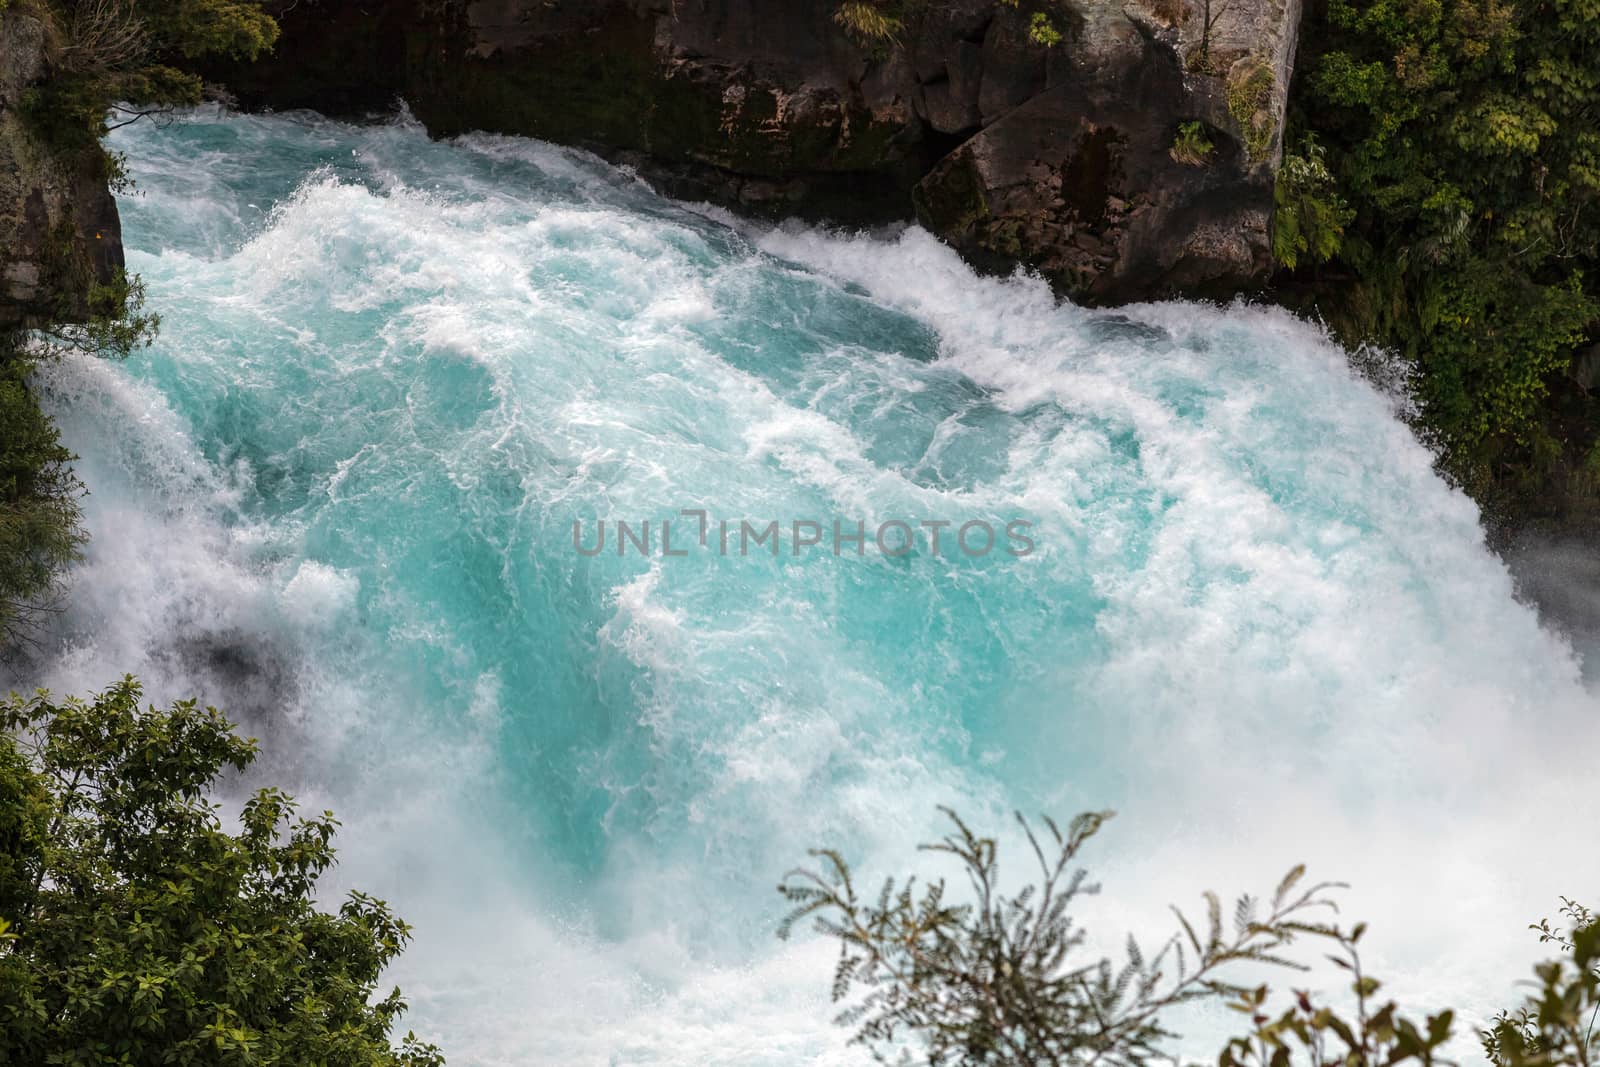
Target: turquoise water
{"x":338,"y":497}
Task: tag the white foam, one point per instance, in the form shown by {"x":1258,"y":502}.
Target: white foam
{"x":1354,"y":686}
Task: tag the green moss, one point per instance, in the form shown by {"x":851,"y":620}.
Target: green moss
{"x":950,"y":200}
{"x":1249,"y":90}
{"x":1005,"y":237}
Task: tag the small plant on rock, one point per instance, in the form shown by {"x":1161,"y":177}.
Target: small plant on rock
{"x":1191,"y":146}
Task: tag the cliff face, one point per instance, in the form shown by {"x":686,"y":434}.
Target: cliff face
{"x":1060,"y":157}
{"x":59,"y":231}
{"x":1073,"y":168}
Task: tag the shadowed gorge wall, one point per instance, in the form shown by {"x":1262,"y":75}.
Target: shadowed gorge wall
{"x":1059,"y":157}
{"x":59,"y":232}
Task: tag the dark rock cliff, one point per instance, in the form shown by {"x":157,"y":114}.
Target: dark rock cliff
{"x":59,"y":231}
{"x":1057,"y":157}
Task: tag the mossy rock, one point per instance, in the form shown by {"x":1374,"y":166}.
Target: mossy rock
{"x":1249,"y":87}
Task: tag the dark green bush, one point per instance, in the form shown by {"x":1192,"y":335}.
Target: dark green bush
{"x":999,"y":980}
{"x":135,"y":930}
{"x":1309,"y":215}
{"x":118,"y":60}
{"x":1461,"y":134}
{"x":39,"y":517}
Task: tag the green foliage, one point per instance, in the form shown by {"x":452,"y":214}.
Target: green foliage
{"x":995,"y":981}
{"x":1376,"y":1036}
{"x":1191,"y":146}
{"x":140,"y":932}
{"x":1042,"y":30}
{"x":1461,"y":134}
{"x":876,"y":23}
{"x":117,"y":324}
{"x":868,"y":23}
{"x":39,"y":516}
{"x":1555,"y":1026}
{"x":1495,"y":340}
{"x":40,"y":521}
{"x":1249,"y":89}
{"x":127,"y":58}
{"x":1309,"y":215}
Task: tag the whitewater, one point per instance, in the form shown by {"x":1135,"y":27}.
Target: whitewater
{"x":337,"y":498}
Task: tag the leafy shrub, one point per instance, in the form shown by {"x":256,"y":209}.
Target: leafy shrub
{"x":1319,"y":1036}
{"x":135,"y":930}
{"x":867,"y":23}
{"x":1555,"y":1026}
{"x":994,"y":981}
{"x":881,"y":22}
{"x":102,"y":36}
{"x":1309,"y":215}
{"x":39,"y":516}
{"x":1495,"y":338}
{"x":111,"y":53}
{"x":116,"y":326}
{"x":195,"y":28}
{"x":1461,"y":135}
{"x":1042,"y":30}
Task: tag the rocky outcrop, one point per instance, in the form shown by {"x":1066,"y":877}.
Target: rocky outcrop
{"x":59,"y":232}
{"x":1079,"y":169}
{"x":1059,"y":157}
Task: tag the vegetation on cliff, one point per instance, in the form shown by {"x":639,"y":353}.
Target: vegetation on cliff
{"x":136,"y":930}
{"x":998,"y":978}
{"x":39,"y":530}
{"x":1460,"y":223}
{"x":116,"y":61}
{"x":110,"y":62}
{"x":880,"y":22}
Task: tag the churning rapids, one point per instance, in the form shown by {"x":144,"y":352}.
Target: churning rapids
{"x":337,"y":498}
